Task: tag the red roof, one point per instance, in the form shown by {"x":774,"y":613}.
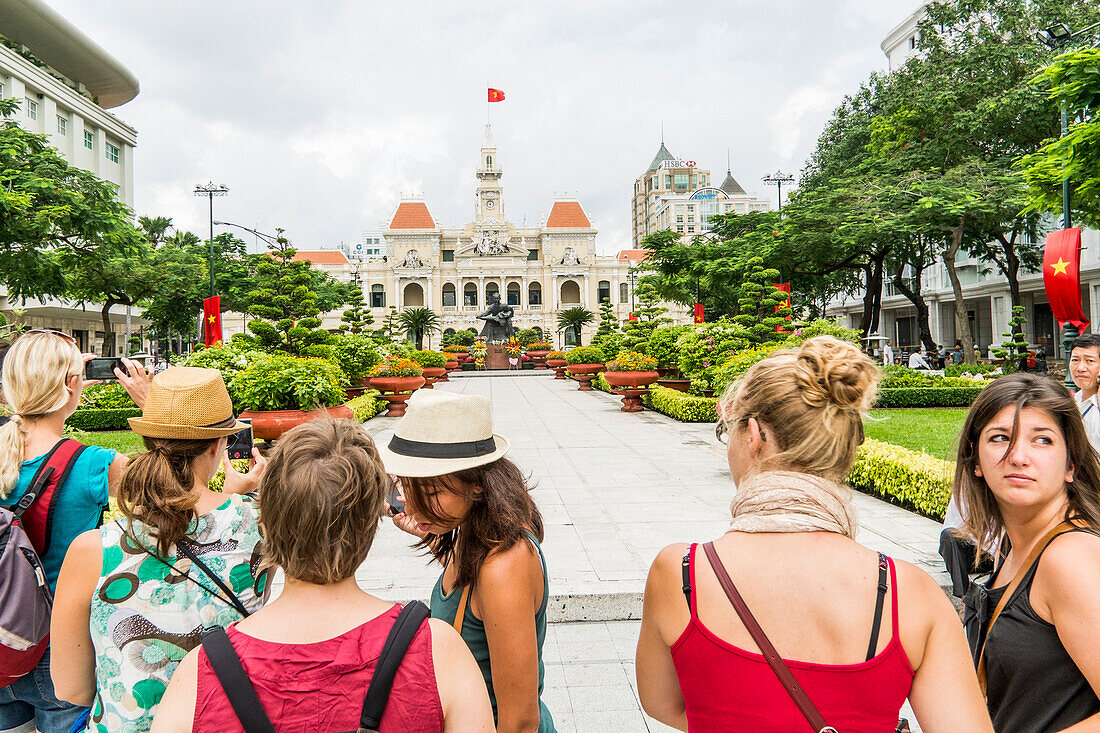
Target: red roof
{"x":633,"y":254}
{"x":412,"y":215}
{"x":567,"y":215}
{"x":321,"y":256}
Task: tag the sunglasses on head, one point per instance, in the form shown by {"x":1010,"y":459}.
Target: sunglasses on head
{"x":65,"y":336}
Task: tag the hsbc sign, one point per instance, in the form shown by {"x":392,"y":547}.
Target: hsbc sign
{"x":677,"y":164}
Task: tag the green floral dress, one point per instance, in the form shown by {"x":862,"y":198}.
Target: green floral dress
{"x":147,"y":613}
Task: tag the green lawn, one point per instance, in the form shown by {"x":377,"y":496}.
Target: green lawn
{"x":123,"y":441}
{"x":933,"y":430}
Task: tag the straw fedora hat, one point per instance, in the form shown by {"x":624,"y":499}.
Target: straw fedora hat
{"x":442,"y":432}
{"x":187,"y":403}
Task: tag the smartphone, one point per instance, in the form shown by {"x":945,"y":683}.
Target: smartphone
{"x":396,"y":505}
{"x":240,"y":447}
{"x":103,"y":367}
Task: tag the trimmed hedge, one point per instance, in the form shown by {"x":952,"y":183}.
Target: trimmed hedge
{"x":680,"y":406}
{"x":93,"y":419}
{"x":915,"y":480}
{"x":928,"y":396}
{"x":366,"y":406}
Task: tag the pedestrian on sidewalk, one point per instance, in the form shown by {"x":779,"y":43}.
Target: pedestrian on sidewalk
{"x":1084,"y":369}
{"x":471,"y":509}
{"x":1028,"y":476}
{"x":888,"y":353}
{"x":313,"y":652}
{"x":862,"y":631}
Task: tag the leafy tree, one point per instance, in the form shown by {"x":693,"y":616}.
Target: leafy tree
{"x":418,"y":323}
{"x":357,"y":317}
{"x":155,"y":228}
{"x":572,"y":320}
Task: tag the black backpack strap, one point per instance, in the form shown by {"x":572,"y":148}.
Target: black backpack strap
{"x":685,"y":571}
{"x":47,"y":480}
{"x":880,"y":601}
{"x":230,"y":597}
{"x":397,"y":643}
{"x":235,"y":683}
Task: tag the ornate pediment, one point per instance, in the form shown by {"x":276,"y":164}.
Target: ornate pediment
{"x":490,"y":243}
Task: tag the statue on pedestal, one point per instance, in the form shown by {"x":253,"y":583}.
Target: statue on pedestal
{"x":498,"y":320}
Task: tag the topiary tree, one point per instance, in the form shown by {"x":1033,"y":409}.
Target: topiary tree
{"x":357,"y":317}
{"x":391,"y":325}
{"x":757,"y":303}
{"x":647,"y":317}
{"x":1016,"y":349}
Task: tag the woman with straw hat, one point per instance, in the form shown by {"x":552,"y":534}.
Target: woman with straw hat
{"x":471,"y":509}
{"x":183,"y":558}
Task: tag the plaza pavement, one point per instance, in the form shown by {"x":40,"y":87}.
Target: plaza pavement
{"x":613,"y":488}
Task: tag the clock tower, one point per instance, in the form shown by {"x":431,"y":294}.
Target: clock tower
{"x":490,"y":204}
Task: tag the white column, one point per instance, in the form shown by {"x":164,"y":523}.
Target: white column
{"x":482,"y":297}
{"x":397,"y":292}
{"x":524,"y":294}
{"x":1000,"y":313}
{"x":585,"y":299}
{"x":554,"y":290}
{"x":429,"y":286}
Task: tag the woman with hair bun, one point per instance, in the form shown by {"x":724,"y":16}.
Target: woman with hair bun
{"x":135,"y":595}
{"x":857,"y":632}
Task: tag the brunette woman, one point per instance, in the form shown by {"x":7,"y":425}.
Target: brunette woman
{"x":471,"y":509}
{"x":860,"y":631}
{"x":135,"y":595}
{"x":1027,"y":475}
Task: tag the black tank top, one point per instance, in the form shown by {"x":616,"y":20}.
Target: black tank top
{"x":1032,"y":684}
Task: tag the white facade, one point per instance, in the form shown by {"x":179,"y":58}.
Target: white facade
{"x":901,"y":42}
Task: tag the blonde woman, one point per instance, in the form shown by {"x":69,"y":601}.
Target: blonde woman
{"x":43,"y":377}
{"x":135,"y":595}
{"x":858,"y":631}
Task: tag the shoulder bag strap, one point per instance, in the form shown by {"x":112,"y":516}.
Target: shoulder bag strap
{"x":880,"y":601}
{"x":1067,"y":526}
{"x":230,"y":596}
{"x":397,"y":643}
{"x":235,"y":683}
{"x":460,"y":614}
{"x":801,"y":699}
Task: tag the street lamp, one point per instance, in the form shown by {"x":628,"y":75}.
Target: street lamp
{"x":210,"y":190}
{"x":778,"y":179}
{"x":268,"y":238}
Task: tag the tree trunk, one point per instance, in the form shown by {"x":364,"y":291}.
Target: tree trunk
{"x":962,"y":324}
{"x":1011,"y":270}
{"x":865,"y":321}
{"x":108,"y":334}
{"x":918,"y":302}
{"x":126,"y":346}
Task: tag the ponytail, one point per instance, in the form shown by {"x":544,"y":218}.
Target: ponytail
{"x":12,"y":443}
{"x":158,"y":488}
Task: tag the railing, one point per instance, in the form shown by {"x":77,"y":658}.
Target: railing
{"x":471,"y":308}
{"x":534,"y":306}
{"x":449,"y":308}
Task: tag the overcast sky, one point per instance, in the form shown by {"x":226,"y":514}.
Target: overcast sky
{"x":320,"y":115}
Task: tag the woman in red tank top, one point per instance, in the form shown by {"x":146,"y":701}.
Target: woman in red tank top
{"x":311,"y":654}
{"x":858,"y":632}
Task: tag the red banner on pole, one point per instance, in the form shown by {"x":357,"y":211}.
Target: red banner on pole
{"x":698,"y":312}
{"x":784,"y":288}
{"x":495,"y":95}
{"x":1062,"y":276}
{"x":212,"y":320}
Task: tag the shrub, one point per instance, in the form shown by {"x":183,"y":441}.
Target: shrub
{"x":393,"y":366}
{"x":455,"y":349}
{"x":229,"y":360}
{"x":290,"y":383}
{"x":355,"y":354}
{"x":662,"y":345}
{"x":585,"y":355}
{"x":105,"y":397}
{"x":821,"y":327}
{"x":113,"y":418}
{"x":737,"y":364}
{"x":914,"y":479}
{"x":632,"y":361}
{"x":937,"y":396}
{"x":680,"y":406}
{"x":403,"y":348}
{"x":366,"y":405}
{"x":709,"y":344}
{"x":528,"y":336}
{"x":957,"y":370}
{"x":539,"y":346}
{"x":429,"y":359}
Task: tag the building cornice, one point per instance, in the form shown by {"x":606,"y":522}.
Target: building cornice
{"x":902,"y":30}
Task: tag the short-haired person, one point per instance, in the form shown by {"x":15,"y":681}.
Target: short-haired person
{"x":135,"y":595}
{"x":1027,"y":475}
{"x":43,"y":377}
{"x":888,"y":353}
{"x":1084,"y":369}
{"x":471,"y":509}
{"x":311,"y":653}
{"x":861,"y":631}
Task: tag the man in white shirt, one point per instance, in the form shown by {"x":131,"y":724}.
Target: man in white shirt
{"x":916,"y":361}
{"x":888,"y":354}
{"x":1084,"y":368}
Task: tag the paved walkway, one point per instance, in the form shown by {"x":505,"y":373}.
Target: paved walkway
{"x":613,"y":488}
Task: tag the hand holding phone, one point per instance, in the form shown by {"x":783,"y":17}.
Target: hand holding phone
{"x":394,"y":497}
{"x":102,"y":368}
{"x":240,"y":446}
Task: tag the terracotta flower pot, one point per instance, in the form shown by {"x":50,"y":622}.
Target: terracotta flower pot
{"x":558,"y":365}
{"x":433,"y":375}
{"x":452,"y":364}
{"x":585,"y":373}
{"x":395,"y":390}
{"x":271,"y":424}
{"x":630,"y":386}
{"x":539,"y":357}
{"x":680,"y":385}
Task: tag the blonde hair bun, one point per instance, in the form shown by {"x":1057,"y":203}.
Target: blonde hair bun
{"x":831,"y":371}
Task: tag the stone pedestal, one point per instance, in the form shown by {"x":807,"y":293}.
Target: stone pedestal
{"x":496,"y":357}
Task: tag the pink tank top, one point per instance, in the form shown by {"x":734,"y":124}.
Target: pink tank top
{"x":319,"y":687}
{"x":727,"y":688}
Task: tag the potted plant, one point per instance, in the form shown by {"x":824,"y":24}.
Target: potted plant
{"x":434,"y":365}
{"x":396,"y":378}
{"x":526,"y":362}
{"x":356,"y":355}
{"x":556,"y":361}
{"x":279,"y":392}
{"x":478,"y":350}
{"x":538,"y":350}
{"x":630,"y":375}
{"x":456,"y":354}
{"x":584,"y":363}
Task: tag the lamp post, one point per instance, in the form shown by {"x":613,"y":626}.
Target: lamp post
{"x":1056,"y":38}
{"x":210,"y":190}
{"x":777,"y":179}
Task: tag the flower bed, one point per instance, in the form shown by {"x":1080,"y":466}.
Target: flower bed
{"x":928,"y":396}
{"x":680,"y":406}
{"x":915,"y":480}
{"x":393,"y":366}
{"x":632,"y":361}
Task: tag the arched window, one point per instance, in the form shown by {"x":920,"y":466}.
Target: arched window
{"x":448,"y":294}
{"x":448,"y":332}
{"x":570,"y":292}
{"x":490,"y":289}
{"x":538,"y":330}
{"x":489,"y":162}
{"x":624,"y":293}
{"x":513,"y":294}
{"x":413,"y":297}
{"x":603,"y":291}
{"x":377,"y":296}
{"x":534,"y":294}
{"x":469,"y":294}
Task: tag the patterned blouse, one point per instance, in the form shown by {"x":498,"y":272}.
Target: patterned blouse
{"x":147,"y":612}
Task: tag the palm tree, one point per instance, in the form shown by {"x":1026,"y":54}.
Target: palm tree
{"x":571,"y":320}
{"x":155,"y":228}
{"x":420,"y":322}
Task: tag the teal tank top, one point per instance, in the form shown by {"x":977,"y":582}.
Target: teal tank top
{"x":445,"y":608}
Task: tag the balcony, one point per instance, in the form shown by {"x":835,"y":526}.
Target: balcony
{"x":450,"y":308}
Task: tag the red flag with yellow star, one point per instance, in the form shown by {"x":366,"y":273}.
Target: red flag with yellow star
{"x":1062,"y":276}
{"x":212,"y":320}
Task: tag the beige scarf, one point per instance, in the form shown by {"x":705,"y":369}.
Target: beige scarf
{"x":788,"y":501}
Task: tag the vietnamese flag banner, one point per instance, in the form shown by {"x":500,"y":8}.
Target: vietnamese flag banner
{"x":495,"y":95}
{"x":1062,"y":276}
{"x":698,"y":312}
{"x":783,"y":288}
{"x":212,"y":320}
